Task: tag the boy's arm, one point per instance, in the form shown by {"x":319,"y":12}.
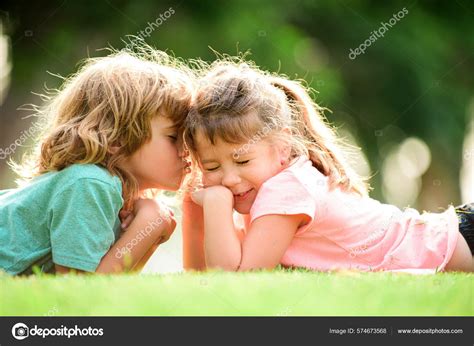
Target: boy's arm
{"x":147,"y":217}
{"x":64,"y":270}
{"x":137,"y":244}
{"x":144,"y":260}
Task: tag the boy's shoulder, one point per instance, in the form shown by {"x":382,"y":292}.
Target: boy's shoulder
{"x":79,"y":177}
{"x":86,"y":182}
{"x":88,"y":171}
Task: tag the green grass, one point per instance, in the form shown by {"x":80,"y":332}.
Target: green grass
{"x":278,"y":293}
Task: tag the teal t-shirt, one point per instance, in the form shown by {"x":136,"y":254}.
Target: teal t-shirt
{"x":69,"y":218}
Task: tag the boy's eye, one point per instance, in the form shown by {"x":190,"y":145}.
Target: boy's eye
{"x":173,"y":137}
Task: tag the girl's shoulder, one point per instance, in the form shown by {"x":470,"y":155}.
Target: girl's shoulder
{"x":292,"y":191}
{"x":300,"y":172}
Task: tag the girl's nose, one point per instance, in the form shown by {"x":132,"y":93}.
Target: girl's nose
{"x":230,"y":179}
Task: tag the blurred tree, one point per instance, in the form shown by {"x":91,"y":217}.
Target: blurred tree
{"x":417,"y":80}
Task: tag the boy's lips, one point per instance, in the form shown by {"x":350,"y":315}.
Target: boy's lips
{"x":186,"y":166}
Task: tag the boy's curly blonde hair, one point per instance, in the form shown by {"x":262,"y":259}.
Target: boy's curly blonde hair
{"x":109,"y":102}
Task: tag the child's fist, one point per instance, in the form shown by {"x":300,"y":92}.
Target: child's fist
{"x":126,"y":218}
{"x":216,"y":193}
{"x":157,"y":215}
{"x":158,"y":212}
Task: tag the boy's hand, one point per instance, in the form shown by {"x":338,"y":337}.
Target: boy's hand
{"x":126,"y":218}
{"x":159,"y":214}
{"x":156,"y":211}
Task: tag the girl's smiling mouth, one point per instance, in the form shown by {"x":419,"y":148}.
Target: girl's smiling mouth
{"x":240,"y":197}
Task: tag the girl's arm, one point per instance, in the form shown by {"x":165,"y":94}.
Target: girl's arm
{"x":262,"y":247}
{"x":193,"y":235}
{"x":222,"y":246}
{"x":267,"y":241}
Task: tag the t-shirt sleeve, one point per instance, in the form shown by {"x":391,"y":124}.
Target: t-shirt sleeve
{"x":4,"y":192}
{"x":283,"y":194}
{"x":83,"y":218}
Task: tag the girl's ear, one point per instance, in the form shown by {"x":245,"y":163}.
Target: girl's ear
{"x":284,"y":148}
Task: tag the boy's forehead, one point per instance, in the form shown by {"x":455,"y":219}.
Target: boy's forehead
{"x":164,"y":122}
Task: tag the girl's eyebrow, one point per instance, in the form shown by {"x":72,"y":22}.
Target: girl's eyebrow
{"x":207,"y":161}
{"x":243,"y":153}
{"x":232,"y":155}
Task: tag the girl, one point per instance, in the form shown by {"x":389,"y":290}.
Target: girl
{"x":266,"y":152}
{"x":112,"y":134}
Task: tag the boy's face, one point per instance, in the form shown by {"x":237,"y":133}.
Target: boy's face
{"x":159,"y":163}
{"x":239,"y":167}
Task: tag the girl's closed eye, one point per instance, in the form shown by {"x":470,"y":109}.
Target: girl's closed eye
{"x":240,"y":163}
{"x":211,"y":169}
{"x":244,"y":162}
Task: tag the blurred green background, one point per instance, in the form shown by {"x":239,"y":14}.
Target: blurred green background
{"x":408,"y":101}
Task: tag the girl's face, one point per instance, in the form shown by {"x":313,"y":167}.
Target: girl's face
{"x":159,"y":163}
{"x":242,"y":168}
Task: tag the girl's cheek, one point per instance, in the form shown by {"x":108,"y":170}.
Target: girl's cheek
{"x":210,"y":179}
{"x":205,"y":180}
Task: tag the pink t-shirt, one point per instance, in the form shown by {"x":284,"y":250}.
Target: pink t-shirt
{"x":348,"y":231}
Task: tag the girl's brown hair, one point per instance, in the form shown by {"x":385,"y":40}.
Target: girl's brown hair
{"x":237,"y":102}
{"x":109,"y":102}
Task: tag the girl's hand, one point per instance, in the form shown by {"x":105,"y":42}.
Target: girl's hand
{"x":217,"y":193}
{"x":198,"y":197}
